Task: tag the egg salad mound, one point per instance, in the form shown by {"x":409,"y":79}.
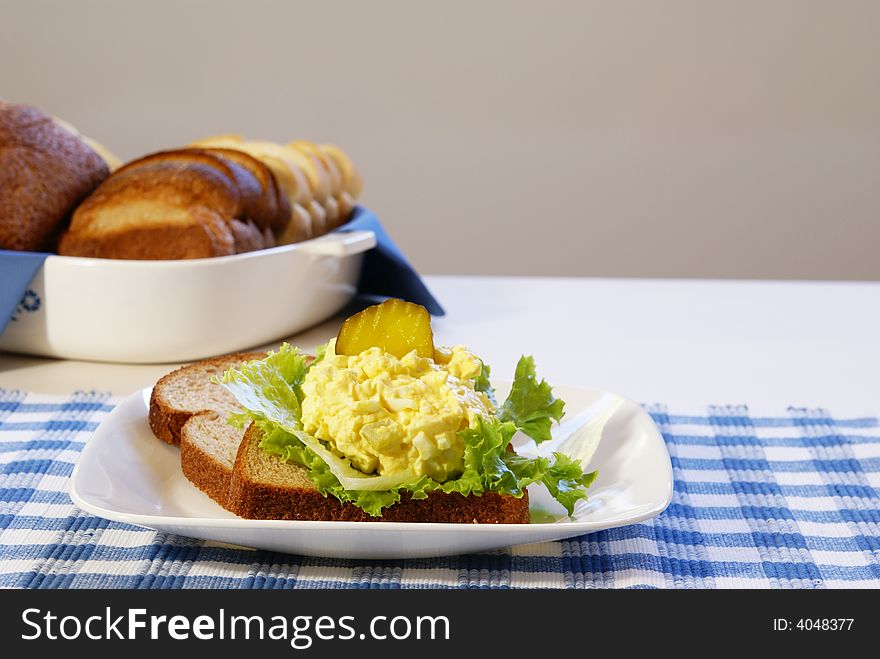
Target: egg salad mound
{"x":388,"y":415}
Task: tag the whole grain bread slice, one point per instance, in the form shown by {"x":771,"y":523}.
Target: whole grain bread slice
{"x":265,"y":487}
{"x":208,"y":446}
{"x":188,"y":391}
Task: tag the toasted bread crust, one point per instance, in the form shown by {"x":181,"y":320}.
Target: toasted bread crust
{"x":208,"y":238}
{"x":103,"y":226}
{"x":45,"y":171}
{"x":277,"y":211}
{"x":167,"y":415}
{"x":180,"y":204}
{"x":256,"y":501}
{"x":190,"y":179}
{"x":257,"y":202}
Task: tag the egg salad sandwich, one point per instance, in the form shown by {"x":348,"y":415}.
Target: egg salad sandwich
{"x":379,"y":425}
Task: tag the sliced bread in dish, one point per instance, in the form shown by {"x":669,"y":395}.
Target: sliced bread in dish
{"x":276,"y":213}
{"x":180,"y":204}
{"x":156,"y":210}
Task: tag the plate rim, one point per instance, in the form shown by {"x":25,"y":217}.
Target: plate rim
{"x":160,"y":522}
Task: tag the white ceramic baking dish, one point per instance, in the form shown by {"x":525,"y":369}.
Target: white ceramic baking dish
{"x":175,"y":311}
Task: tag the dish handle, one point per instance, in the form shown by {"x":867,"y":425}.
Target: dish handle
{"x":340,"y":243}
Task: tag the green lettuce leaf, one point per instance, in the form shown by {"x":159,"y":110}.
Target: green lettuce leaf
{"x":489,"y":467}
{"x":484,"y":466}
{"x":564,"y":476}
{"x":482,"y":383}
{"x":269,"y":388}
{"x":531,"y":406}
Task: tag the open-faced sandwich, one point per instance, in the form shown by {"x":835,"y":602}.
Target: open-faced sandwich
{"x":380,"y":424}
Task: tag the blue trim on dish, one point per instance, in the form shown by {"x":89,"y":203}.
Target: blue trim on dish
{"x":17,"y":271}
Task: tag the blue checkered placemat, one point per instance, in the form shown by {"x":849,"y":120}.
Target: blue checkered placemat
{"x":787,"y":501}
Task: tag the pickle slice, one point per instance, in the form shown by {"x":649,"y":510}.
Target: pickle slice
{"x":395,"y":326}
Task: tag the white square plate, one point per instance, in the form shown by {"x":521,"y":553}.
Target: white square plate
{"x":127,"y":475}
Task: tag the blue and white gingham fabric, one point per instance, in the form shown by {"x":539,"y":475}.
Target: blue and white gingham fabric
{"x":784,"y":501}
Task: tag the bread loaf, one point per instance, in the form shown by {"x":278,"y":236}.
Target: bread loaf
{"x":46,"y":169}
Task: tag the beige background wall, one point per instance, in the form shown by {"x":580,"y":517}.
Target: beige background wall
{"x":636,"y":138}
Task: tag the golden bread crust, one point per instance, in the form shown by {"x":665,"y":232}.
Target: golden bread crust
{"x":209,"y":237}
{"x":181,"y":204}
{"x":275,"y":208}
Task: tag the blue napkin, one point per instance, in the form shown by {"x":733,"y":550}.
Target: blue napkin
{"x":17,"y":270}
{"x":385,"y":271}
